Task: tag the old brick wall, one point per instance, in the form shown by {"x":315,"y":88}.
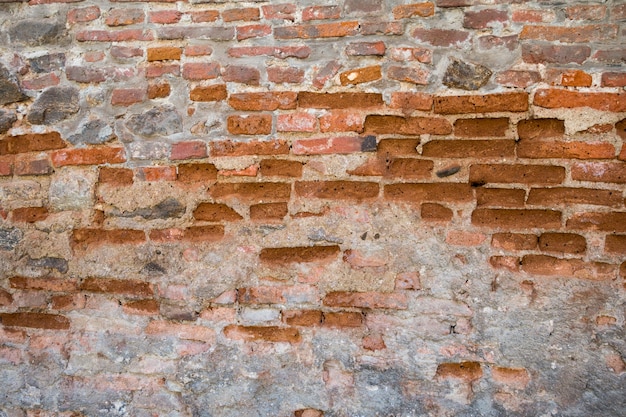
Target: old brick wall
{"x":337,"y":208}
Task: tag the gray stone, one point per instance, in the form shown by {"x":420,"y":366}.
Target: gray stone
{"x":53,"y":105}
{"x":153,"y":268}
{"x":157,"y":121}
{"x":7,"y":119}
{"x":33,"y":32}
{"x":72,"y":189}
{"x":168,"y":208}
{"x":10,"y":237}
{"x":466,"y":76}
{"x":59,"y":264}
{"x":47,"y":63}
{"x":10,"y":91}
{"x":93,"y":133}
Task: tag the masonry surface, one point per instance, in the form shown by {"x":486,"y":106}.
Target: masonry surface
{"x":335,"y":208}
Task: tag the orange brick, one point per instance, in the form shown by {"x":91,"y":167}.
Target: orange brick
{"x":258,"y":333}
{"x":339,"y":100}
{"x":323,"y":30}
{"x":302,"y":317}
{"x":406,"y":11}
{"x":500,"y":197}
{"x":554,"y":99}
{"x":502,"y":102}
{"x":537,"y":149}
{"x":337,"y":190}
{"x":476,"y":128}
{"x":244,"y":13}
{"x":513,"y":219}
{"x":43,"y":284}
{"x":35,"y":320}
{"x":215,"y":212}
{"x":495,"y":148}
{"x":600,"y":172}
{"x":268,"y":212}
{"x":562,"y":243}
{"x":95,"y":237}
{"x":231,"y":148}
{"x":614,"y":222}
{"x":361,"y":75}
{"x":196,"y":172}
{"x":255,"y":192}
{"x":436,"y":212}
{"x":334,"y":145}
{"x":281,"y":168}
{"x":263,"y":101}
{"x":575,"y":268}
{"x":164,"y":53}
{"x":29,"y":214}
{"x":615,"y":244}
{"x":435,"y":192}
{"x":343,"y":319}
{"x":465,"y":371}
{"x":31,"y":142}
{"x":304,"y":254}
{"x":562,"y":195}
{"x":217,"y":92}
{"x":514,"y":241}
{"x":250,"y":124}
{"x":407,"y":125}
{"x":117,"y":286}
{"x":520,"y":174}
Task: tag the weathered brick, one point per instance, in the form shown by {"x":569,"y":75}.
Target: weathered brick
{"x":159,"y":90}
{"x":215,"y":212}
{"x":500,"y":197}
{"x":257,"y":192}
{"x":599,"y":172}
{"x":337,"y":190}
{"x":263,"y":101}
{"x":243,"y":13}
{"x":160,"y":69}
{"x":574,"y":34}
{"x":510,"y":263}
{"x":464,"y":371}
{"x":204,"y":16}
{"x":366,"y":300}
{"x":407,"y":125}
{"x":35,"y":320}
{"x":258,"y":333}
{"x":503,"y":102}
{"x":366,"y":49}
{"x":342,"y":319}
{"x":212,"y":233}
{"x":123,"y":17}
{"x":281,"y":52}
{"x":281,"y":168}
{"x":88,"y":156}
{"x":188,"y":150}
{"x":165,"y":17}
{"x":614,"y":222}
{"x":43,"y":284}
{"x":476,"y":128}
{"x":555,"y":98}
{"x":564,"y":195}
{"x":268,"y":211}
{"x":411,"y":101}
{"x":569,"y":78}
{"x":115,"y":176}
{"x":302,"y":254}
{"x":540,"y":128}
{"x":408,"y":168}
{"x":217,"y":92}
{"x":250,"y":124}
{"x":408,"y":74}
{"x":615,"y":244}
{"x":29,"y":214}
{"x":117,"y":286}
{"x":90,"y":238}
{"x":289,"y":75}
{"x":520,"y":174}
{"x":564,"y":150}
{"x":517,"y":378}
{"x":164,"y":53}
{"x":302,"y":317}
{"x":201,"y":70}
{"x":495,"y":148}
{"x":342,"y":121}
{"x":114,"y":36}
{"x":382,"y":28}
{"x":430,"y":192}
{"x":196,"y":172}
{"x":241,"y":74}
{"x":334,"y":145}
{"x":127,"y":96}
{"x":231,"y":148}
{"x":125,"y":52}
{"x":513,"y":219}
{"x":514,"y":241}
{"x":296,"y":122}
{"x":484,"y":18}
{"x":285,"y":11}
{"x":322,"y":30}
{"x":614,"y":79}
{"x":31,"y":142}
{"x":562,"y":243}
{"x":84,"y":14}
{"x":533,"y":16}
{"x":339,"y":100}
{"x":198,"y":50}
{"x":519,"y":79}
{"x":575,"y":268}
{"x":253,"y":31}
{"x":180,"y":330}
{"x":434,"y":212}
{"x":555,"y":54}
{"x":441,"y":37}
{"x":425,"y":9}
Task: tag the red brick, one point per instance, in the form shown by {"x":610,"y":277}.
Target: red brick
{"x":204,"y":16}
{"x":302,"y":317}
{"x":618,"y":12}
{"x":334,"y":145}
{"x":599,"y":172}
{"x":249,"y":171}
{"x":89,"y":156}
{"x":215,"y":212}
{"x":89,"y":238}
{"x":196,"y":172}
{"x":29,"y":214}
{"x":366,"y":49}
{"x":411,"y":101}
{"x":201,"y":70}
{"x":519,"y":79}
{"x":35,"y":320}
{"x":396,"y":147}
{"x":141,"y":307}
{"x":484,"y":18}
{"x":615,"y":244}
{"x":614,"y":79}
{"x":320,"y":13}
{"x":325,"y":73}
{"x":562,"y":195}
{"x":564,"y":150}
{"x":575,"y":268}
{"x":513,"y":219}
{"x":6,"y":299}
{"x":241,"y":74}
{"x":281,"y":168}
{"x":574,"y":34}
{"x":281,"y":52}
{"x":159,"y":90}
{"x":159,"y":69}
{"x":430,"y":192}
{"x":82,"y":15}
{"x":164,"y":53}
{"x":123,"y":17}
{"x":296,"y":122}
{"x":284,"y":11}
{"x":541,"y":128}
{"x":408,"y":74}
{"x":441,"y":37}
{"x":43,"y":284}
{"x":337,"y":190}
{"x":29,"y":164}
{"x":165,"y":17}
{"x":188,"y":150}
{"x":366,"y":300}
{"x":68,"y":302}
{"x":215,"y":92}
{"x":266,"y":334}
{"x":562,"y":243}
{"x":533,"y":16}
{"x":212,"y":233}
{"x":263,"y":101}
{"x":407,"y":125}
{"x":322,"y":30}
{"x":553,"y":98}
{"x":406,"y":11}
{"x":115,"y":176}
{"x":488,"y":42}
{"x":343,"y":319}
{"x":495,"y":148}
{"x":342,"y":121}
{"x":243,"y":13}
{"x":31,"y":142}
{"x":158,"y":173}
{"x":361,"y":75}
{"x":114,"y":36}
{"x":520,"y":174}
{"x":406,"y":54}
{"x":40,"y":83}
{"x":408,"y":168}
{"x":477,"y":128}
{"x":253,"y":31}
{"x":569,"y":78}
{"x":268,"y":212}
{"x":555,"y":54}
{"x":339,"y":100}
{"x":231,"y":148}
{"x":614,"y":222}
{"x":514,"y":241}
{"x":125,"y":52}
{"x":289,"y":75}
{"x":127,"y":96}
{"x":464,"y":371}
{"x":261,"y":295}
{"x":256,"y":192}
{"x":500,"y":197}
{"x":198,"y":50}
{"x":6,"y":167}
{"x":436,"y":212}
{"x":500,"y":102}
{"x":303,"y":254}
{"x":117,"y":286}
{"x":250,"y":124}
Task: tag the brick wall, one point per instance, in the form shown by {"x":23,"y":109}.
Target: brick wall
{"x":338,"y":208}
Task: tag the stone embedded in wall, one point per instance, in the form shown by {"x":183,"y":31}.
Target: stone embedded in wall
{"x":54,"y":105}
{"x":93,"y":133}
{"x":59,"y":264}
{"x":10,"y":237}
{"x":466,"y":76}
{"x":163,"y":121}
{"x":168,"y":208}
{"x":10,"y":91}
{"x":72,"y":189}
{"x":47,"y":63}
{"x":34,"y":32}
{"x":7,"y":118}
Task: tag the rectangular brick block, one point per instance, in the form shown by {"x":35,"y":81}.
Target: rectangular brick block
{"x":614,"y":222}
{"x":205,"y":93}
{"x":551,"y":197}
{"x":339,"y":100}
{"x":228,"y":148}
{"x":262,"y":333}
{"x":258,"y":192}
{"x":115,"y":176}
{"x":31,"y":142}
{"x":615,"y":244}
{"x":612,"y":172}
{"x":562,"y":243}
{"x":513,"y":219}
{"x":281,"y":168}
{"x":433,"y":192}
{"x":483,"y":149}
{"x":573,"y":268}
{"x":573,"y":34}
{"x":517,"y":174}
{"x":88,"y":238}
{"x":35,"y":320}
{"x":337,"y":190}
{"x":212,"y":233}
{"x":322,"y":30}
{"x":196,"y":172}
{"x":477,"y":128}
{"x":127,"y":287}
{"x":501,"y":102}
{"x":539,"y":149}
{"x":500,"y":197}
{"x":556,"y":98}
{"x":407,"y":125}
{"x":334,"y":145}
{"x":302,"y":254}
{"x":89,"y":156}
{"x":514,"y":241}
{"x":250,"y":124}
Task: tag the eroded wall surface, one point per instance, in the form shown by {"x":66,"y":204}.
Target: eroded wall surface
{"x":335,"y":208}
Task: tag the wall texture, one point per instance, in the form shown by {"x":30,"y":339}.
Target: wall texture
{"x":338,"y":208}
